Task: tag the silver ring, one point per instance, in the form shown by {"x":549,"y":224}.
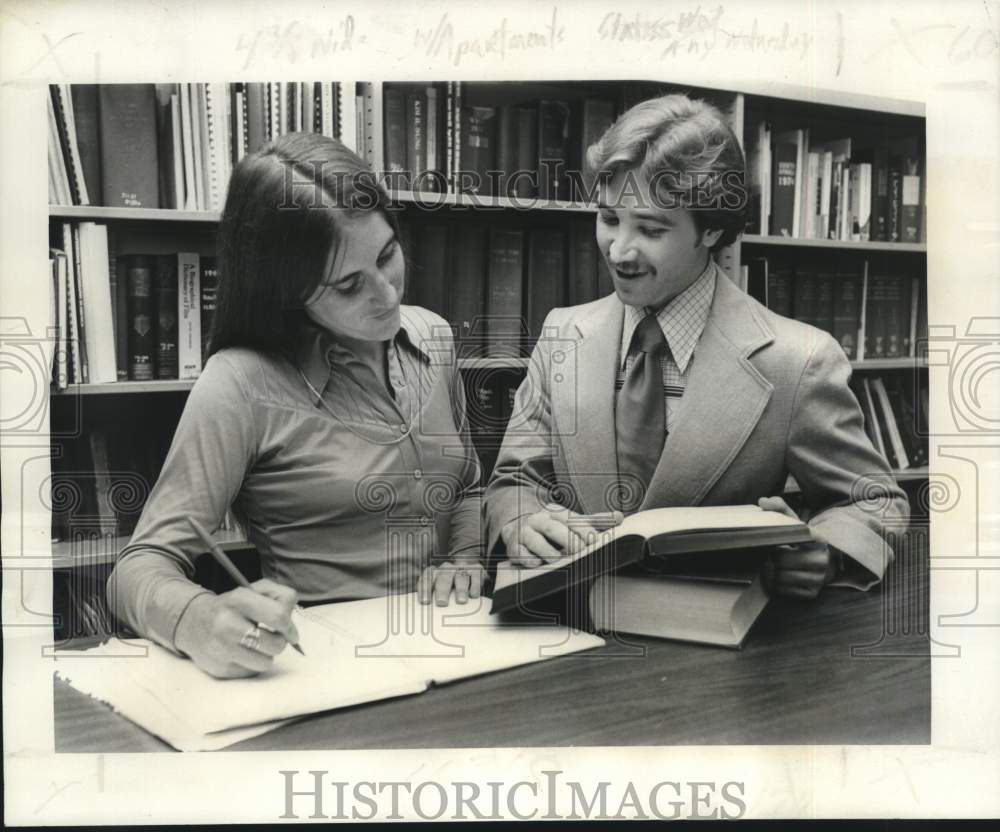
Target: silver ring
{"x":251,"y":638}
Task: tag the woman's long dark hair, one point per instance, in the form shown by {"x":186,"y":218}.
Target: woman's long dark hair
{"x":278,"y":229}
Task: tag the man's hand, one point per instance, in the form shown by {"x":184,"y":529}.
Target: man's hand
{"x":213,"y":628}
{"x":553,"y":533}
{"x":467,"y":577}
{"x":797,"y":571}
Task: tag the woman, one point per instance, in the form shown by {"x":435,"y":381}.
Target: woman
{"x":329,"y":417}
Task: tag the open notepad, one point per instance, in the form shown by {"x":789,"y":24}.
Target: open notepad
{"x":356,"y":652}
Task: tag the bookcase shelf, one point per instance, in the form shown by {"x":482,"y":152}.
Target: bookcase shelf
{"x":95,"y":213}
{"x":845,"y":245}
{"x":476,"y":202}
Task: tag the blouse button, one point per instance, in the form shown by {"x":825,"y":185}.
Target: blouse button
{"x":417,"y":474}
{"x":425,"y":521}
{"x":402,"y":428}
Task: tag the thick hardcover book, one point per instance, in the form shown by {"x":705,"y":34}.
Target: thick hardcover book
{"x":553,"y":148}
{"x":478,"y":150}
{"x":657,"y":533}
{"x":596,"y":116}
{"x":256,"y":107}
{"x":880,"y":194}
{"x":467,"y":289}
{"x":715,"y":609}
{"x":757,"y":284}
{"x":506,"y":155}
{"x":165,"y":139}
{"x":526,"y":183}
{"x":582,"y":282}
{"x":846,"y":313}
{"x":416,"y":133}
{"x":546,"y":276}
{"x":825,"y":301}
{"x":806,"y":289}
{"x":208,"y":290}
{"x":780,"y":287}
{"x":429,"y":282}
{"x":875,"y":317}
{"x":895,"y":198}
{"x":88,"y":137}
{"x":129,"y":161}
{"x":896,"y":316}
{"x":139,"y":274}
{"x":784,"y":176}
{"x":505,"y":271}
{"x":911,"y":170}
{"x":395,"y":137}
{"x":188,"y":315}
{"x":165,"y":303}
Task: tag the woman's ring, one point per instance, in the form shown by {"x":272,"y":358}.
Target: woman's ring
{"x":251,"y":638}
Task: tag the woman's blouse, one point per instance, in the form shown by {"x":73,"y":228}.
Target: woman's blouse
{"x":346,"y":489}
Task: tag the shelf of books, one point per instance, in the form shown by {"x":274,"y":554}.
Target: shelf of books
{"x":496,"y":207}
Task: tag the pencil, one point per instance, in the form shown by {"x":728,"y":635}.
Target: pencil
{"x":229,"y":566}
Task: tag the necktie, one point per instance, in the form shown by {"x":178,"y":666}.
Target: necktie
{"x":639,"y":414}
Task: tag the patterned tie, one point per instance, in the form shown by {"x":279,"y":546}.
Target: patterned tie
{"x":639,"y":413}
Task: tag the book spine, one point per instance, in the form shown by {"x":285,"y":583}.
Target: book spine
{"x":467,"y":287}
{"x":395,"y":136}
{"x":87,"y":118}
{"x":846,"y":313}
{"x":165,"y":304}
{"x":546,"y":276}
{"x":416,"y":136}
{"x":895,"y":443}
{"x":140,"y":318}
{"x":895,"y":198}
{"x":432,"y":248}
{"x":506,"y":144}
{"x":477,"y":149}
{"x":129,"y":161}
{"x":824,"y":301}
{"x":553,"y":148}
{"x":894,"y":303}
{"x":433,"y":143}
{"x":504,"y":291}
{"x":582,"y":264}
{"x":598,"y":116}
{"x":875,"y":323}
{"x":188,"y":315}
{"x":784,"y":176}
{"x":208,"y":291}
{"x":59,"y":187}
{"x":75,"y":160}
{"x":779,"y":292}
{"x":806,"y":286}
{"x":526,"y":153}
{"x":100,"y":341}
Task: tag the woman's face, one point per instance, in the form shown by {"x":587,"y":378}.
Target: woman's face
{"x":359,"y":297}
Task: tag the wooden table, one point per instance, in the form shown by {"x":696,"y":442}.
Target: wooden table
{"x":849,"y":668}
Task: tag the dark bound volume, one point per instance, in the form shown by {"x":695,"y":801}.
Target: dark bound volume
{"x":596,"y":116}
{"x":880,"y":194}
{"x":478,"y":150}
{"x":88,"y":137}
{"x":416,"y":133}
{"x":139,"y":274}
{"x":825,"y":301}
{"x":582,"y":264}
{"x":429,"y":284}
{"x":467,"y":289}
{"x":895,"y":198}
{"x":906,"y":420}
{"x":506,"y":155}
{"x":395,"y":138}
{"x":779,"y":291}
{"x":783,"y":199}
{"x":553,"y":148}
{"x":525,"y":183}
{"x":209,"y":291}
{"x":504,"y":292}
{"x":896,"y":316}
{"x":165,"y":297}
{"x":546,"y":276}
{"x":484,"y":405}
{"x":847,"y":312}
{"x":806,"y":286}
{"x":875,"y":317}
{"x":909,"y":207}
{"x":129,"y":162}
{"x":758,"y":286}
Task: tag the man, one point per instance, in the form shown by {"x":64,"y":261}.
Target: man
{"x":681,"y":390}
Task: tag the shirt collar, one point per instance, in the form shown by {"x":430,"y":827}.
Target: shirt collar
{"x":318,"y":351}
{"x":682,"y":319}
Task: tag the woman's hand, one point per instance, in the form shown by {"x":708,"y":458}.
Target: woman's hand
{"x":797,"y":571}
{"x":238,"y":633}
{"x":467,"y":577}
{"x":553,"y":533}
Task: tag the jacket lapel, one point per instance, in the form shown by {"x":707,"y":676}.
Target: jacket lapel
{"x":724,"y":398}
{"x":584,"y":399}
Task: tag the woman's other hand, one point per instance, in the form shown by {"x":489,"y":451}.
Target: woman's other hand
{"x":436,"y":582}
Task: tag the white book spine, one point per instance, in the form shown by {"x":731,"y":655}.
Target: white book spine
{"x":187,"y":130}
{"x":326,"y":108}
{"x":177,"y":149}
{"x":241,"y":136}
{"x":188,"y":315}
{"x":62,"y":320}
{"x":347,"y":107}
{"x":99,"y":332}
{"x":431,"y":132}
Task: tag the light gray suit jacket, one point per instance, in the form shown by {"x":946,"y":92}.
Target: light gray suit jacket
{"x":766,"y":396}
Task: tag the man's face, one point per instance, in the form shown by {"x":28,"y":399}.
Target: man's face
{"x":653,"y":253}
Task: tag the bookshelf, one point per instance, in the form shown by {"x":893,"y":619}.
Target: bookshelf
{"x":441,"y":226}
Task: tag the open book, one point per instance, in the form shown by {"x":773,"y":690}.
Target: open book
{"x":657,"y":532}
{"x":356,"y":652}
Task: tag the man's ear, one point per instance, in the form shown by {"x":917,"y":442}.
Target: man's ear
{"x":710,"y":236}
